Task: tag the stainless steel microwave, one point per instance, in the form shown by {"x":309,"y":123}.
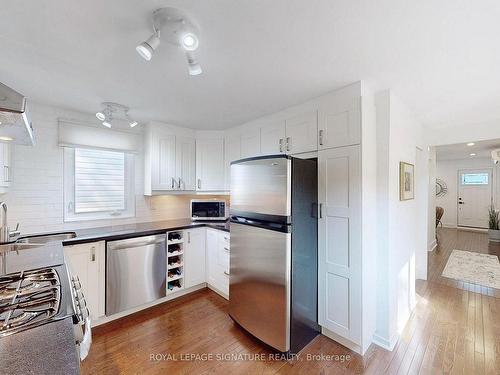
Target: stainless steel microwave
{"x":204,"y":209}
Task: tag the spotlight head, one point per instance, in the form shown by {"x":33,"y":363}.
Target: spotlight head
{"x":189,"y":42}
{"x":106,"y":124}
{"x":147,"y":48}
{"x":100,"y":116}
{"x":193,"y":65}
{"x":133,"y":123}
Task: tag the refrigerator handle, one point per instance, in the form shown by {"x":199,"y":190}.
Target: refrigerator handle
{"x":321,"y":210}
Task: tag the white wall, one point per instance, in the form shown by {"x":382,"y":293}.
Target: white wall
{"x":447,"y":170}
{"x":35,"y":197}
{"x":431,"y":217}
{"x":399,"y":234}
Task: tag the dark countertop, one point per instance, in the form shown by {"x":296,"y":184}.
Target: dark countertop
{"x":121,"y":232}
{"x":47,"y":349}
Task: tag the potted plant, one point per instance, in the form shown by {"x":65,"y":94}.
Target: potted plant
{"x":493,"y":232}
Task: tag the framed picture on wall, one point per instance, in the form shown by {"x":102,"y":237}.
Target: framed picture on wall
{"x":406,"y":181}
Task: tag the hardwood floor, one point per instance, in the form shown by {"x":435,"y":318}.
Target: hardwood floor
{"x":451,"y":331}
{"x":450,"y":239}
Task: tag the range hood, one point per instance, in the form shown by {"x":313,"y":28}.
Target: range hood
{"x":15,"y":119}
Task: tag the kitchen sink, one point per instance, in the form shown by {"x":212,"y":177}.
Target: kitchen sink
{"x":46,"y":238}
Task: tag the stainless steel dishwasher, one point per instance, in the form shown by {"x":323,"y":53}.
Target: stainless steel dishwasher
{"x":135,"y":272}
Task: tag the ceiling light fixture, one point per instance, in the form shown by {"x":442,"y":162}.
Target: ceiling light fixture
{"x":176,"y":29}
{"x":472,"y":154}
{"x":470,"y":144}
{"x":5,"y":138}
{"x":147,"y":48}
{"x":112,"y":111}
{"x":193,"y":66}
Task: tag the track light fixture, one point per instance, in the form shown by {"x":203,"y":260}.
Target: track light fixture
{"x":177,"y":29}
{"x":110,"y":111}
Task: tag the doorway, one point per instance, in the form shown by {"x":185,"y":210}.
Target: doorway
{"x":474,"y":197}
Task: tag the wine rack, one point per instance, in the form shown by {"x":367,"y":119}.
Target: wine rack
{"x":175,"y":261}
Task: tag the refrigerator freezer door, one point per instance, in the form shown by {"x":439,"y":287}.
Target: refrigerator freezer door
{"x":261,"y":188}
{"x":259,"y":287}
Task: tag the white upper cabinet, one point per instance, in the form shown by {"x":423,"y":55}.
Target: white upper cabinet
{"x":194,"y":257}
{"x":163,"y":172}
{"x":5,"y":166}
{"x":210,"y":164}
{"x":250,"y":143}
{"x":272,"y":138}
{"x":232,"y":152}
{"x":301,"y":133}
{"x":169,"y":159}
{"x":185,"y":163}
{"x":339,"y":124}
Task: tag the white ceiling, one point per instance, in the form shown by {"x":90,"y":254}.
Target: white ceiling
{"x":440,"y":57}
{"x":462,"y":151}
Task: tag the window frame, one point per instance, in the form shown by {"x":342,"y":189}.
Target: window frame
{"x":69,"y":214}
{"x":464,"y":183}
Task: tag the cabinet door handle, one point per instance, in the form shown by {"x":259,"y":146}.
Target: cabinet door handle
{"x":6,"y":176}
{"x":321,"y":210}
{"x":92,"y":256}
{"x":226,"y":273}
{"x":173,"y":183}
{"x":321,"y":137}
{"x":226,"y":249}
{"x":281,"y":144}
{"x":189,"y":237}
{"x":288,"y":143}
{"x":199,"y":183}
{"x":179,"y":184}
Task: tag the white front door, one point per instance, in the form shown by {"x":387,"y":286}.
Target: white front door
{"x":474,"y":197}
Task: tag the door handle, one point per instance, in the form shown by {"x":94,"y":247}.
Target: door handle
{"x":288,"y":143}
{"x":189,"y":237}
{"x":281,"y":144}
{"x":199,"y":183}
{"x":321,"y":210}
{"x":321,"y":137}
{"x":92,"y":256}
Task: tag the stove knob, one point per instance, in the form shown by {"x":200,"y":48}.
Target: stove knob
{"x":77,"y":284}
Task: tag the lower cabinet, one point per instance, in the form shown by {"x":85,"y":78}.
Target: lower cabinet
{"x":87,"y":261}
{"x":194,"y":257}
{"x":218,"y":261}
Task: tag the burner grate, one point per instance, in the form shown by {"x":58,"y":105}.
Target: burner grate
{"x":28,"y":299}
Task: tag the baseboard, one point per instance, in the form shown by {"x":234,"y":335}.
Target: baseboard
{"x":341,"y":340}
{"x":107,"y":319}
{"x":432,"y":246}
{"x":470,"y":229}
{"x":220,"y":293}
{"x":384,"y":343}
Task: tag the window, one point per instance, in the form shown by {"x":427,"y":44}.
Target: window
{"x":98,"y":184}
{"x":475,"y":178}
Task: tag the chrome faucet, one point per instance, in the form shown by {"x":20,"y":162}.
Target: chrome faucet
{"x":6,"y":236}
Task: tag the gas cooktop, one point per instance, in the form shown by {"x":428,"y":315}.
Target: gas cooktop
{"x":28,"y":299}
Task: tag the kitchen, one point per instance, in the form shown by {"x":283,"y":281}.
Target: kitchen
{"x":185,"y":188}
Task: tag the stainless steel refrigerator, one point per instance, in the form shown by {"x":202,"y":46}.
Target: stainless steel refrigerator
{"x":274,"y":250}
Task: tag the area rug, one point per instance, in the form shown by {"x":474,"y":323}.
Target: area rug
{"x":476,"y":268}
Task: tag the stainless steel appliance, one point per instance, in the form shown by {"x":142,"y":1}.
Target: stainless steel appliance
{"x":29,"y":299}
{"x":135,"y":272}
{"x":273,"y":265}
{"x":208,"y":209}
{"x":15,"y":119}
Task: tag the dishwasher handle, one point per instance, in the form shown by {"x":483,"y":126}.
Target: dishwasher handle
{"x":137,"y":242}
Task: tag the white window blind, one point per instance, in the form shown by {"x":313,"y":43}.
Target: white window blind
{"x":99,"y":180}
{"x":98,"y":184}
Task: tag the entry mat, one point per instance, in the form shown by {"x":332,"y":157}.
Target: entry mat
{"x":476,"y":268}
